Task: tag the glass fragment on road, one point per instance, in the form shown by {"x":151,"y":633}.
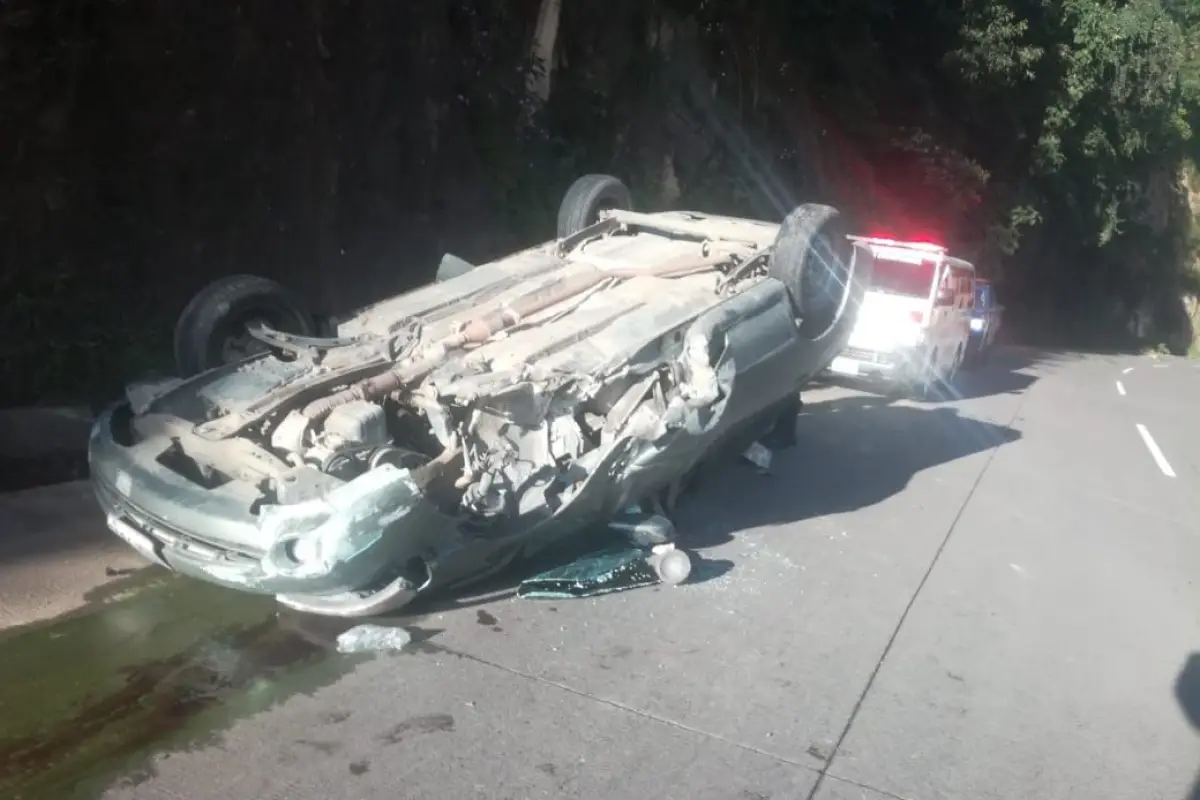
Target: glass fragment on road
{"x":373,"y":639}
{"x":760,"y":456}
{"x":611,"y":570}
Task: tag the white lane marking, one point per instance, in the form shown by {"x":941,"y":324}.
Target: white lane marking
{"x":1155,"y":452}
{"x":1127,"y":370}
{"x":1120,"y":388}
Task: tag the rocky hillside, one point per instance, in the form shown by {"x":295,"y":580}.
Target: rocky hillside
{"x":341,"y":146}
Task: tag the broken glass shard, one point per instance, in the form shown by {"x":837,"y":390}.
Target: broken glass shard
{"x":611,"y":570}
{"x":373,"y":639}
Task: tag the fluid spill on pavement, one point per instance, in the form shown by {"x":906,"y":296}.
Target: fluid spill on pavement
{"x":155,"y":664}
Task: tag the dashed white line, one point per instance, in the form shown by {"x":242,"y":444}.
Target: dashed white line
{"x":1127,"y":370}
{"x":1155,"y":452}
{"x":1120,"y":388}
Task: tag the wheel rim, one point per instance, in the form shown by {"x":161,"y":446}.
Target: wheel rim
{"x":240,"y":344}
{"x":930,"y":376}
{"x":607,"y":205}
{"x":234,"y":342}
{"x":826,"y":281}
{"x":823,"y":284}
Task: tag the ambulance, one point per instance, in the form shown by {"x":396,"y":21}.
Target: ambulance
{"x":914,"y":324}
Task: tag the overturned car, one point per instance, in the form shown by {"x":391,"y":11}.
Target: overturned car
{"x":436,"y":436}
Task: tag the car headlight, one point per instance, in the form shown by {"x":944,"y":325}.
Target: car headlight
{"x":312,"y":536}
{"x":305,"y":549}
{"x":977,"y":324}
{"x":299,"y":532}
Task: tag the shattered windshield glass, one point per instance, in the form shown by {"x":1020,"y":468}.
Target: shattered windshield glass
{"x":611,"y":570}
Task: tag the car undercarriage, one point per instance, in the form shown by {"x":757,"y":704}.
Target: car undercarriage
{"x":445,"y":432}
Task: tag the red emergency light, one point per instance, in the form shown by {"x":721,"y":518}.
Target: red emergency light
{"x":882,"y":241}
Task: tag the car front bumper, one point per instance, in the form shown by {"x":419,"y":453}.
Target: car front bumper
{"x":203,"y":533}
{"x":898,"y":365}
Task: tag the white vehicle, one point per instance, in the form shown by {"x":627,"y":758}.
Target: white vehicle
{"x":914,"y":323}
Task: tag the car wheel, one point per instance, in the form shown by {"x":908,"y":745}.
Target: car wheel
{"x":587,"y":197}
{"x":813,"y":258}
{"x":959,"y":356}
{"x":925,"y":384}
{"x":969,"y":356}
{"x":211,"y":331}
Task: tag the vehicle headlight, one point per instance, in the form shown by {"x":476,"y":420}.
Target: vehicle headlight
{"x":311,"y":537}
{"x":306,"y":549}
{"x":298,"y":532}
{"x":977,"y":324}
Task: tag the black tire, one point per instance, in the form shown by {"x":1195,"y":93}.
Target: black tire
{"x":920,"y":391}
{"x":936,"y":388}
{"x":968,"y":362}
{"x":913,"y":383}
{"x":813,"y":258}
{"x":971,"y":357}
{"x":947,"y":384}
{"x":977,"y":355}
{"x":587,"y":197}
{"x":220,"y":310}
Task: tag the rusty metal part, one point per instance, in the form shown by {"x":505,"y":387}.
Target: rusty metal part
{"x":484,"y":327}
{"x":675,"y":227}
{"x":740,"y":271}
{"x":435,"y":479}
{"x":604,"y":227}
{"x":232,"y":424}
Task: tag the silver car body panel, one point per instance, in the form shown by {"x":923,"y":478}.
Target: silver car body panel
{"x":558,"y":422}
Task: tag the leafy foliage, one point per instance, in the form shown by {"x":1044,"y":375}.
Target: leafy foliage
{"x":340,"y":146}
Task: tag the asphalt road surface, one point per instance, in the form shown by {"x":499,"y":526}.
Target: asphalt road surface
{"x":991,"y":597}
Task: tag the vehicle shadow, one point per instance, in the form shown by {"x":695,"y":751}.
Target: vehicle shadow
{"x":60,"y":524}
{"x":1187,"y":694}
{"x":852,"y":452}
{"x":504,"y":584}
{"x":1009,"y":371}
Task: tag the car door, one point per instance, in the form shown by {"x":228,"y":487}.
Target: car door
{"x":952,"y":310}
{"x":993,"y":310}
{"x":964,"y":279}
